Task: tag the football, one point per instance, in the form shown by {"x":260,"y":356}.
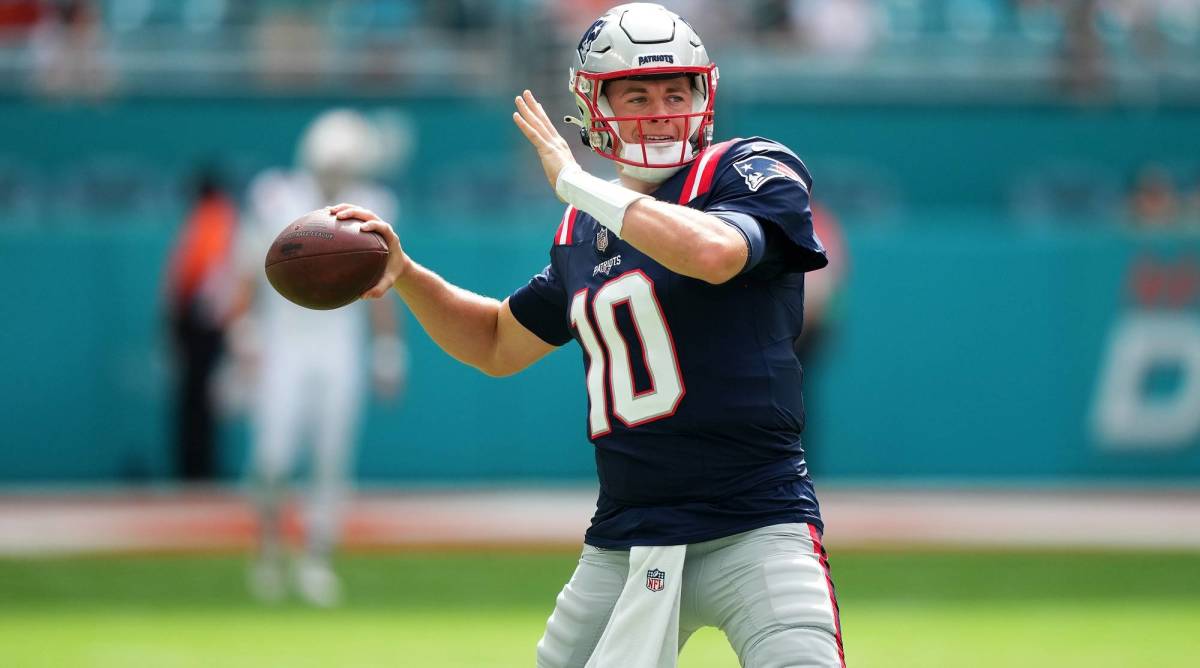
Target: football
{"x":323,"y":263}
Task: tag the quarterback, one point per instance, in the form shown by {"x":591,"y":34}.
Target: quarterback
{"x":683,"y":284}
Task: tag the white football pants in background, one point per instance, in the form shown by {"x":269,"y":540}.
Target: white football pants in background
{"x":310,"y":397}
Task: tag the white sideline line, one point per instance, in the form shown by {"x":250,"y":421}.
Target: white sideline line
{"x":98,"y":522}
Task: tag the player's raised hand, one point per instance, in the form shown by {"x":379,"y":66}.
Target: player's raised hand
{"x":551,"y":148}
{"x":397,"y":262}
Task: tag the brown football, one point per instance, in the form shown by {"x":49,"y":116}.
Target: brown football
{"x":323,"y":263}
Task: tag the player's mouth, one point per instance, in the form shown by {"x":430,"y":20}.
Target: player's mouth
{"x":657,"y":139}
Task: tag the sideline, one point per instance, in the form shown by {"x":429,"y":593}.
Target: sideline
{"x":221,"y":520}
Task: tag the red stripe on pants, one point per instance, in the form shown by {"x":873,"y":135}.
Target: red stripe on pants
{"x":819,"y":550}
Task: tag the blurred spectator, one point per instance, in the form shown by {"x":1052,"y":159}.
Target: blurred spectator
{"x":770,"y":20}
{"x":821,"y":288}
{"x":1061,"y":190}
{"x":1150,"y":24}
{"x":462,"y":15}
{"x":571,"y":15}
{"x":310,"y":363}
{"x":1039,"y":20}
{"x":198,"y":300}
{"x":821,"y":292}
{"x":291,"y":48}
{"x":845,"y":28}
{"x":68,"y":51}
{"x":1148,"y":39}
{"x":1088,"y":48}
{"x":1154,"y":202}
{"x":1083,"y":60}
{"x":19,"y":16}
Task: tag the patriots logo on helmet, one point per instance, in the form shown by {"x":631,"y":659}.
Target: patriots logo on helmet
{"x":590,"y":36}
{"x":759,"y":169}
{"x":656,"y":579}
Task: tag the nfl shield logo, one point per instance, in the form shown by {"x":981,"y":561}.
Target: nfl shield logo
{"x":655,"y":579}
{"x":602,"y":240}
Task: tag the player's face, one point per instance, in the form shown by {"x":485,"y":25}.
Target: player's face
{"x":629,"y":97}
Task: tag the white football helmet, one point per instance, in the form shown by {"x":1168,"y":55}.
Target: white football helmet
{"x":340,"y":144}
{"x":639,"y":40}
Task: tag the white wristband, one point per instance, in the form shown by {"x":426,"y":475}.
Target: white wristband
{"x":602,"y":200}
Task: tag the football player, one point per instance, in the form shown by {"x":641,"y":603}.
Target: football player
{"x":683,"y":283}
{"x":310,"y":363}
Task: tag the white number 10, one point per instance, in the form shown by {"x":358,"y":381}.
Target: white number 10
{"x":666,"y":386}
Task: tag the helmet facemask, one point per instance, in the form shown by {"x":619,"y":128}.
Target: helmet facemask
{"x":652,"y":162}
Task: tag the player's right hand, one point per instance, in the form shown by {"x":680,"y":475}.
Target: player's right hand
{"x":397,"y":262}
{"x":552,"y":149}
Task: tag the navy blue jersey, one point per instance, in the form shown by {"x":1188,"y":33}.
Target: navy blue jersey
{"x":694,"y":391}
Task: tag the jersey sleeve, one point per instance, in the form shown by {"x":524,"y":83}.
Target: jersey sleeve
{"x":541,"y":306}
{"x":766,"y":182}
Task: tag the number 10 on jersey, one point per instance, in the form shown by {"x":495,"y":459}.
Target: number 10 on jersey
{"x":631,"y":407}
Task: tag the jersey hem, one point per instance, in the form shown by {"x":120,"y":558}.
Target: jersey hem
{"x":702,"y":537}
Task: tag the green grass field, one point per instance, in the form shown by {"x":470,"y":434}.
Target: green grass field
{"x":448,"y":610}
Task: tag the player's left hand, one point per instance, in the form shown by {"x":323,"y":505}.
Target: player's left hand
{"x":551,"y":148}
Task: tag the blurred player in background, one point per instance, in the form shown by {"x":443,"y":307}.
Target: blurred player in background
{"x":822,"y":291}
{"x":200,"y":304}
{"x":684,"y":285}
{"x":310,"y":363}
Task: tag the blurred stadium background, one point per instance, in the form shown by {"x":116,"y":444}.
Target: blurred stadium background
{"x":1005,"y":417}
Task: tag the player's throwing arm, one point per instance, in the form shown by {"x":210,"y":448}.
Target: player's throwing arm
{"x":473,"y":329}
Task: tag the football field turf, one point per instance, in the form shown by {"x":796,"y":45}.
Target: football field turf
{"x":1122,"y":609}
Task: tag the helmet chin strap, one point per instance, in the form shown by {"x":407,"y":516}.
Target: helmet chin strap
{"x":660,"y":153}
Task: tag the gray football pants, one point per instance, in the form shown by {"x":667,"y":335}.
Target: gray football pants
{"x":768,"y":590}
